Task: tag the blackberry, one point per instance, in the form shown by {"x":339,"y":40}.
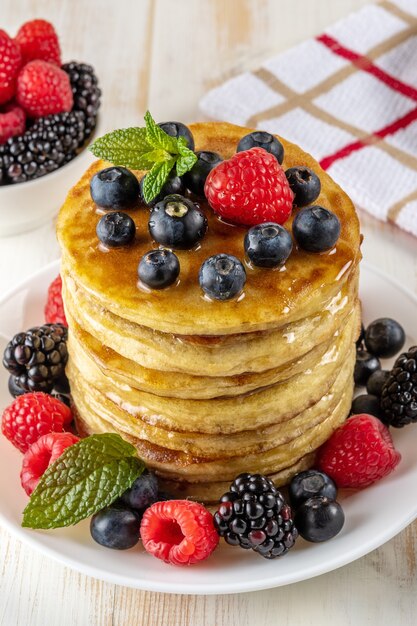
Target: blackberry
{"x":86,"y":92}
{"x":37,"y":358}
{"x":399,"y":393}
{"x":255,"y":516}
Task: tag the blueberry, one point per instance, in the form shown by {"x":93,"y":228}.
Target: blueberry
{"x":384,"y":337}
{"x":305,"y":185}
{"x":268,"y":245}
{"x":176,"y":222}
{"x":369,"y":404}
{"x":366,"y":364}
{"x":316,"y":229}
{"x":143,"y":492}
{"x":114,"y":188}
{"x":116,"y":229}
{"x":115,"y":527}
{"x":309,"y":484}
{"x":261,"y":139}
{"x":159,"y":268}
{"x":319,"y":519}
{"x":196,"y":177}
{"x":177,"y":129}
{"x":376,"y":381}
{"x":173,"y":184}
{"x":222,"y":276}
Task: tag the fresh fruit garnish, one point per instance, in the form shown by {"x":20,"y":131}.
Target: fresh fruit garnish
{"x":173,"y":185}
{"x":10,"y":63}
{"x":196,"y":178}
{"x":319,"y":519}
{"x":310,"y":484}
{"x":116,"y":527}
{"x":114,"y":188}
{"x":159,"y":269}
{"x":262,"y":139}
{"x":54,"y":307}
{"x":177,"y":222}
{"x":86,"y":478}
{"x":375,"y":383}
{"x":222,"y":277}
{"x":41,"y":454}
{"x":179,"y":532}
{"x":366,"y":364}
{"x":399,"y":394}
{"x":143,"y":492}
{"x":43,"y":89}
{"x":86,"y":92}
{"x":268,"y":245}
{"x":31,"y":416}
{"x":369,"y":404}
{"x":177,"y":130}
{"x":12,"y":121}
{"x":116,"y":229}
{"x":384,"y":337}
{"x":14,"y":388}
{"x":37,"y":39}
{"x":316,"y":229}
{"x":305,"y":185}
{"x":254,"y":515}
{"x":250,"y":188}
{"x":37,"y":358}
{"x":359,"y":453}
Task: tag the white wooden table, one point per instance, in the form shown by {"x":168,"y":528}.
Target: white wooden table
{"x":163,"y":55}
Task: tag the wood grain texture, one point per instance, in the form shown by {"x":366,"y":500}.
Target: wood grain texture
{"x":165,"y":54}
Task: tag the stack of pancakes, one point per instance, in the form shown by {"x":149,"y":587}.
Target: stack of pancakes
{"x":207,"y":389}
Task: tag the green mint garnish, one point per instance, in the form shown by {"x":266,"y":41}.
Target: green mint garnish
{"x":149,"y":148}
{"x":88,"y":476}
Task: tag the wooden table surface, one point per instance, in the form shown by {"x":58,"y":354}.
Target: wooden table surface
{"x":163,"y":55}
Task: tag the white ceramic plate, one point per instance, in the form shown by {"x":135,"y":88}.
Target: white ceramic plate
{"x":373,"y":516}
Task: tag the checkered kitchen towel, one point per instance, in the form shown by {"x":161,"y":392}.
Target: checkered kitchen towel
{"x":349,"y":97}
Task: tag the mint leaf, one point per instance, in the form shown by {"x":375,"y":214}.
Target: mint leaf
{"x":186,"y":158}
{"x":87,"y":477}
{"x":157,"y":137}
{"x":123,"y":147}
{"x":156,"y":178}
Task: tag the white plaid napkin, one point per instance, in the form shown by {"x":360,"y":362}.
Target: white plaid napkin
{"x":349,"y":97}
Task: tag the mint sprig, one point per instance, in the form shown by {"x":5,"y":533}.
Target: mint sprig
{"x":88,"y":476}
{"x":149,"y":148}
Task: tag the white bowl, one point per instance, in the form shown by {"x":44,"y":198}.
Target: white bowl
{"x":26,"y":206}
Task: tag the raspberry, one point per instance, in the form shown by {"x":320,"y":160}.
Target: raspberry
{"x":44,"y":89}
{"x":180,"y":532}
{"x":38,"y":40}
{"x":12,"y":121}
{"x":359,"y":453}
{"x":10,"y":63}
{"x":250,"y":188}
{"x":54,"y":307}
{"x":32,"y":415}
{"x":41,"y":455}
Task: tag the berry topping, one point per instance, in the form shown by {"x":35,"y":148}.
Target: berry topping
{"x":310,"y":484}
{"x":369,"y":404}
{"x":173,"y":185}
{"x":254,"y":515}
{"x":375,"y":383}
{"x":12,"y":121}
{"x":116,"y":229}
{"x":305,"y":185}
{"x":195,"y":179}
{"x":37,"y":358}
{"x":159,"y":269}
{"x":359,"y":453}
{"x":43,"y":89}
{"x":366,"y":364}
{"x":37,"y":39}
{"x":268,"y":245}
{"x":10,"y":63}
{"x":384,"y":337}
{"x":41,"y":454}
{"x":316,"y":229}
{"x":177,"y":130}
{"x":261,"y":139}
{"x":250,"y":188}
{"x":180,"y":532}
{"x":32,"y":415}
{"x":399,"y":394}
{"x":54,"y":307}
{"x":143,"y":492}
{"x":222,"y":277}
{"x":177,"y":222}
{"x":86,"y":92}
{"x":114,"y":188}
{"x":319,"y":519}
{"x":116,"y":527}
